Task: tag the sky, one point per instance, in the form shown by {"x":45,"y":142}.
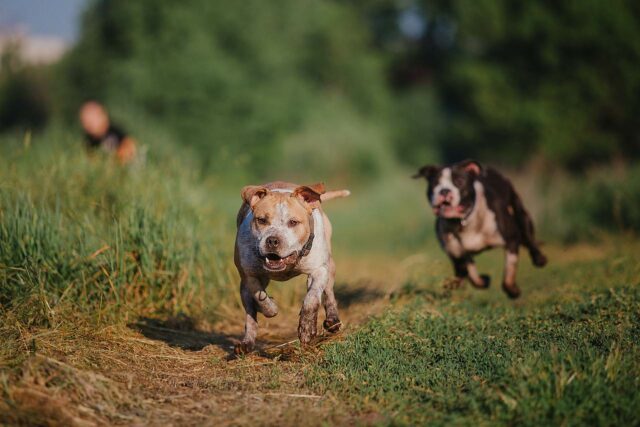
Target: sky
{"x":58,"y":18}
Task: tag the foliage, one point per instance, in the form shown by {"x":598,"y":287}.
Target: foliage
{"x":519,"y":78}
{"x":230,"y":79}
{"x":24,"y":92}
{"x":541,"y":77}
{"x":605,"y":201}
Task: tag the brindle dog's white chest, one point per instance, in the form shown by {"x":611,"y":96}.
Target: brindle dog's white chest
{"x":479,"y":231}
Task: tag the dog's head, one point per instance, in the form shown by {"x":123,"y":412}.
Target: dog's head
{"x":451,"y":190}
{"x":281,"y":223}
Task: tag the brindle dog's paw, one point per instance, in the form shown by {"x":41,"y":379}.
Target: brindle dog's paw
{"x":486,"y":282}
{"x":332,"y":325}
{"x":538,"y":259}
{"x":513,"y":291}
{"x":243,"y":348}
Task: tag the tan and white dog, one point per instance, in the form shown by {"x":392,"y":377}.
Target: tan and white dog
{"x":282,"y":233}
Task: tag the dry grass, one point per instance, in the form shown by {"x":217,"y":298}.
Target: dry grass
{"x":180,"y":370}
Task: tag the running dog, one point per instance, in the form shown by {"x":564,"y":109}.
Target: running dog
{"x":282,"y":233}
{"x":478,"y":209}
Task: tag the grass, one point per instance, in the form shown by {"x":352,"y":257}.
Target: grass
{"x":119,"y":305}
{"x":567,"y":354}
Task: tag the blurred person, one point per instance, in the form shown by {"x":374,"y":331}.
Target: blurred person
{"x":101,"y":133}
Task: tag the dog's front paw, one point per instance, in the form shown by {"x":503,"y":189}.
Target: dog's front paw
{"x":243,"y":348}
{"x":266,"y":305}
{"x":307,"y":331}
{"x":513,"y":291}
{"x":485,"y":282}
{"x":332,"y":325}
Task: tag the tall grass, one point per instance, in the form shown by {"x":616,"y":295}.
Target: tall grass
{"x":102,"y":239}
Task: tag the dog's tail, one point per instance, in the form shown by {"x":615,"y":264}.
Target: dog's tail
{"x":330,"y":195}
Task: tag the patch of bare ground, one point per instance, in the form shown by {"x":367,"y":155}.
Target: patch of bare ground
{"x":176,"y":371}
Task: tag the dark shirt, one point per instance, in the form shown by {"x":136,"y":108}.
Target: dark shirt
{"x":110,"y":141}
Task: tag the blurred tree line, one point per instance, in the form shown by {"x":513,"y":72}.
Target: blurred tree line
{"x":499,"y":80}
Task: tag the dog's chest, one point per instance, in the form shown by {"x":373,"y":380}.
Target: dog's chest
{"x":479,"y":232}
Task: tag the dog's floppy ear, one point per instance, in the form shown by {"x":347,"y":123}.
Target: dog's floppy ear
{"x":472,"y":167}
{"x":428,"y":172}
{"x":310,"y":194}
{"x":252,"y":194}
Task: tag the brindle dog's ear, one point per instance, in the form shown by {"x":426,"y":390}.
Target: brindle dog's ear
{"x":310,"y":194}
{"x":472,"y":167}
{"x":428,"y":172}
{"x":252,"y":194}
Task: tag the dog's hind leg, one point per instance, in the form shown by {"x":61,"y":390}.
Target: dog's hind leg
{"x":332,"y":321}
{"x":510,"y":267}
{"x":527,"y":231}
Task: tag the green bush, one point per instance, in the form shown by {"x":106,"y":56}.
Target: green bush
{"x":605,"y":201}
{"x":231,"y":79}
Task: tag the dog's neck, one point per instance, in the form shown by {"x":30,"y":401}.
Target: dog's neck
{"x":306,"y":248}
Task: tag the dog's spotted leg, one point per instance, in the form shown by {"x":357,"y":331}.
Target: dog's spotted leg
{"x":510,"y":267}
{"x":258,"y":289}
{"x":316,"y":284}
{"x":332,"y":321}
{"x":251,"y":321}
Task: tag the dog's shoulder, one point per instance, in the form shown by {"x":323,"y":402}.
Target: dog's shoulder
{"x":242,"y":214}
{"x":495,"y":182}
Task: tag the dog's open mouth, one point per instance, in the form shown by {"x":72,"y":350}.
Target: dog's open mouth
{"x":446,"y":210}
{"x":274,"y":262}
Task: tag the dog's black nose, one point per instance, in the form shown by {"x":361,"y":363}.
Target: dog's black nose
{"x":444,"y":192}
{"x":273,"y":242}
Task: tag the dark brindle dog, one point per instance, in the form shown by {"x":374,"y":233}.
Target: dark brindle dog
{"x":477,"y":209}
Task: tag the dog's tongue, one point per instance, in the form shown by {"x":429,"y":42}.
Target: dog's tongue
{"x":448,"y":211}
{"x":275,"y":264}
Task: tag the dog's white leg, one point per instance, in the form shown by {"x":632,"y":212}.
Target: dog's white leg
{"x":316,"y":285}
{"x":254,"y":299}
{"x":332,"y":321}
{"x":509,"y":281}
{"x":251,"y":320}
{"x":258,"y":289}
{"x":480,"y":281}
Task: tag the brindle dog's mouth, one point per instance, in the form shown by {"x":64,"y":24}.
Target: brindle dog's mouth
{"x":446,"y":210}
{"x":274,"y":262}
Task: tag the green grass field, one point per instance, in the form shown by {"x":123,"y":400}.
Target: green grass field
{"x":119,"y":305}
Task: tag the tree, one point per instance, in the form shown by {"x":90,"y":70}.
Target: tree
{"x":228,"y":78}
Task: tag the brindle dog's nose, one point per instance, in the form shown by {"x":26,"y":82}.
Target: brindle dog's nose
{"x":273,"y":242}
{"x":444,"y":192}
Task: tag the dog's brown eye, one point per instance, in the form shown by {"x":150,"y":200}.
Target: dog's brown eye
{"x":261,"y":220}
{"x":293,"y":222}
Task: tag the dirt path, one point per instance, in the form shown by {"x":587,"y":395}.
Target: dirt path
{"x":178,"y":372}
